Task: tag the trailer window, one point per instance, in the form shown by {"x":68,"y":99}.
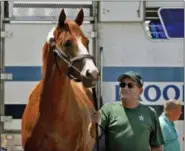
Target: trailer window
{"x":156,"y":30}
{"x":172,"y":20}
{"x":153,"y":26}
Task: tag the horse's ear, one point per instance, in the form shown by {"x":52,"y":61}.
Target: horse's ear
{"x":80,"y":17}
{"x":62,"y":18}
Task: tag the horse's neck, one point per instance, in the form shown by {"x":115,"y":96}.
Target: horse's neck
{"x":59,"y":93}
{"x":51,"y":92}
{"x":62,"y":95}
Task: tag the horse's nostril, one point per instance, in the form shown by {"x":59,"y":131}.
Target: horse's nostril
{"x":92,"y":74}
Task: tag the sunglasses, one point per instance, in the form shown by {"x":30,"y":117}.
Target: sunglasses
{"x":129,"y":85}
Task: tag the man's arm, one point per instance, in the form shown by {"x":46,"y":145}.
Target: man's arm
{"x":156,"y":137}
{"x":159,"y":148}
{"x":101,"y":118}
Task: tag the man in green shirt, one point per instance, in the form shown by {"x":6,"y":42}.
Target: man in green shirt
{"x":129,"y":125}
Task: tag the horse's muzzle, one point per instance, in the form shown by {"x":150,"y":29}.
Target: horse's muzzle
{"x":90,"y":79}
{"x":92,"y":74}
{"x":88,"y":83}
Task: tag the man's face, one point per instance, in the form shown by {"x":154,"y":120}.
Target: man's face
{"x":176,"y":113}
{"x":129,"y":89}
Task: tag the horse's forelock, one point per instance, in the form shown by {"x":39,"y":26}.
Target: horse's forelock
{"x":74,"y":28}
{"x":50,"y":34}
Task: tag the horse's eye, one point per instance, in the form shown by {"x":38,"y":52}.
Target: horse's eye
{"x":68,"y":43}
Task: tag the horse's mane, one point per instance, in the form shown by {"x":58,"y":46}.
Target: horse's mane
{"x":47,"y":54}
{"x":45,"y":58}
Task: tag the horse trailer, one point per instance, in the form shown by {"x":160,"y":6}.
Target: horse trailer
{"x":144,"y":36}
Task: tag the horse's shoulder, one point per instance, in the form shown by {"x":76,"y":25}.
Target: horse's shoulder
{"x":31,"y":114}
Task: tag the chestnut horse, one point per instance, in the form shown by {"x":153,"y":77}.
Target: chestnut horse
{"x":57,"y":115}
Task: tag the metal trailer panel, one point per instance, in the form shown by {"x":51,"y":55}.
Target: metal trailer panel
{"x":164,"y":4}
{"x":128,"y":11}
{"x":17,"y":92}
{"x":130,"y":45}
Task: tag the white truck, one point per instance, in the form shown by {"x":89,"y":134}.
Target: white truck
{"x":143,"y":36}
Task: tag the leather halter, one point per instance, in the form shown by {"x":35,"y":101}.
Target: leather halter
{"x":69,"y":60}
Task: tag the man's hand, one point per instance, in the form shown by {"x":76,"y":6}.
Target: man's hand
{"x":95,"y":118}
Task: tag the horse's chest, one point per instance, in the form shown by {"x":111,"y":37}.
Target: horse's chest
{"x":77,"y":117}
{"x":75,"y":110}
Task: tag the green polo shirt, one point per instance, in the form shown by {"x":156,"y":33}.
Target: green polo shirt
{"x":130,"y":129}
{"x":171,"y":142}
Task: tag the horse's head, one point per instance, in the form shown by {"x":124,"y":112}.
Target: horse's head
{"x":70,"y":48}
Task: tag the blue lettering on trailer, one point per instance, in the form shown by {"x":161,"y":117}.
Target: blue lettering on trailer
{"x":160,"y":92}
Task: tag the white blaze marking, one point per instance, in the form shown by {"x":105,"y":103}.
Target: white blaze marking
{"x":89,"y":64}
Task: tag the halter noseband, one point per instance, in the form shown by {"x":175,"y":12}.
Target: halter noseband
{"x":69,"y":60}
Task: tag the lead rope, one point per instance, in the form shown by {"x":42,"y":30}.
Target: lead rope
{"x":96,"y":108}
